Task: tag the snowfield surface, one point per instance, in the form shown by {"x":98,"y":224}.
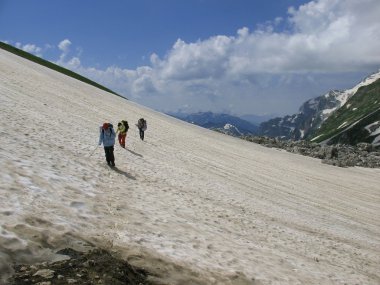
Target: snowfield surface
{"x":231,"y":211}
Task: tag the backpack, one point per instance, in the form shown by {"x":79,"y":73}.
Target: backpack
{"x":142,"y":124}
{"x":125,"y":123}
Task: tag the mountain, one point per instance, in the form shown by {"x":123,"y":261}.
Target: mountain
{"x":313,"y":113}
{"x":188,"y":205}
{"x":230,"y":130}
{"x":357,"y":121}
{"x":221,"y":122}
{"x":257,"y":119}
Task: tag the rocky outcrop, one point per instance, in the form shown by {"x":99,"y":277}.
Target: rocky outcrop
{"x":94,"y":267}
{"x":363,"y":154}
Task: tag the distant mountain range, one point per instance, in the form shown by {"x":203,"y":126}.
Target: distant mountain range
{"x":257,"y":119}
{"x":224,"y":123}
{"x":348,"y":117}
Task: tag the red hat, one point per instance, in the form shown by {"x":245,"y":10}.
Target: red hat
{"x":105,"y":126}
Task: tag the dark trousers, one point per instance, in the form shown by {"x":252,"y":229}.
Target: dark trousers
{"x":141,"y":134}
{"x":109,"y":154}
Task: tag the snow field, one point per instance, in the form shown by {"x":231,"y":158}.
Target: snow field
{"x":214,"y":204}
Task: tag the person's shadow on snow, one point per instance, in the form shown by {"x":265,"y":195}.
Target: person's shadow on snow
{"x":135,"y":153}
{"x":123,"y":173}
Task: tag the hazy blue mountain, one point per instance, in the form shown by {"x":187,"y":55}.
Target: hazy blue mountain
{"x":256,"y":119}
{"x":221,"y":122}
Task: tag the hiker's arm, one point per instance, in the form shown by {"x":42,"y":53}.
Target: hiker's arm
{"x":100,"y":138}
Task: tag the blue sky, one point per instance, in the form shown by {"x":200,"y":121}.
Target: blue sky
{"x":234,"y":56}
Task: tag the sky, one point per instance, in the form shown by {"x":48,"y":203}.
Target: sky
{"x":239,"y":57}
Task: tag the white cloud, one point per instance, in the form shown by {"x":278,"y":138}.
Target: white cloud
{"x":64,"y":45}
{"x":260,"y":71}
{"x":74,"y":63}
{"x":30,"y":48}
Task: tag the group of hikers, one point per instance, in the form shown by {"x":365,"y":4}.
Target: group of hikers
{"x":107,"y":137}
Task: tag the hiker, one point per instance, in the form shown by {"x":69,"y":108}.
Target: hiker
{"x":107,"y":137}
{"x":122,"y":129}
{"x":142,"y":125}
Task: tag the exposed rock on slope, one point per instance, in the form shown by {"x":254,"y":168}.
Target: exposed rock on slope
{"x":94,"y":267}
{"x":363,"y":154}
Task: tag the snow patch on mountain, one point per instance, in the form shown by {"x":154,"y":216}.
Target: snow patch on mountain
{"x":345,"y":95}
{"x":374,"y":131}
{"x":312,"y":113}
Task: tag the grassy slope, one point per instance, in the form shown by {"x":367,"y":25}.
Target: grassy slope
{"x":53,"y":66}
{"x":366,"y":100}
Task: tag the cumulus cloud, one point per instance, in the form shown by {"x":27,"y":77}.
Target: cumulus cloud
{"x":74,"y":63}
{"x":64,"y":46}
{"x":268,"y":69}
{"x":325,"y":37}
{"x":31,"y":48}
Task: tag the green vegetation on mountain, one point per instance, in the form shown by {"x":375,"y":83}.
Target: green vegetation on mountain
{"x":362,"y":109}
{"x":53,"y":66}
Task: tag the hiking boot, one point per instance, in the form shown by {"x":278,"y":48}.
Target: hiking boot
{"x":112,"y":163}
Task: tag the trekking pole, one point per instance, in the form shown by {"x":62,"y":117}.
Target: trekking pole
{"x":93,"y":151}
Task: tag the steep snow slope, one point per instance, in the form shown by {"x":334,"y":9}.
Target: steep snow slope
{"x":223,"y":207}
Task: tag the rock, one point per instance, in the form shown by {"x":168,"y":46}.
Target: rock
{"x":365,"y":147}
{"x":45,"y":273}
{"x":363,"y":154}
{"x":96,"y":266}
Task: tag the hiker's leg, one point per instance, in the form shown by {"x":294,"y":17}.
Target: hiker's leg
{"x":123,"y":140}
{"x":106,"y":151}
{"x":112,"y":157}
{"x":141,"y":134}
{"x":120,"y":137}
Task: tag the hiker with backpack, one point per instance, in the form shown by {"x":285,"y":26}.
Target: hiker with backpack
{"x":142,"y":126}
{"x":107,"y":137}
{"x":122,"y":129}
